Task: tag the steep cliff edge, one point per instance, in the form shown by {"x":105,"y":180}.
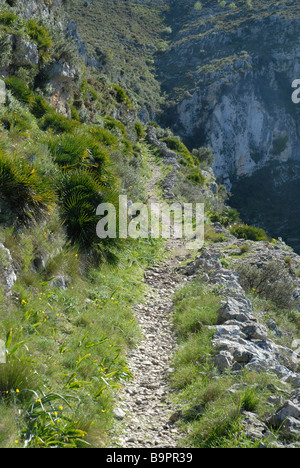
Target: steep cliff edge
{"x":228,"y":74}
{"x":229,"y":71}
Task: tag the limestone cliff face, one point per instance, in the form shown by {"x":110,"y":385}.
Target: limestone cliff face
{"x":232,"y":71}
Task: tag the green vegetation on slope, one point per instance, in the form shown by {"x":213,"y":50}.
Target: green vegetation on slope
{"x":122,"y":38}
{"x":68,"y":323}
{"x":70,"y":344}
{"x":216,"y":403}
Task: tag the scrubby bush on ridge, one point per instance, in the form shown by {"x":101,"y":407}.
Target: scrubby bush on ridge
{"x":243,"y":231}
{"x":270,"y":281}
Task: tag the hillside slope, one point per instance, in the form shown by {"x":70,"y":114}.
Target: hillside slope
{"x":73,"y":306}
{"x":121,"y":39}
{"x":69,"y":140}
{"x":219,"y":74}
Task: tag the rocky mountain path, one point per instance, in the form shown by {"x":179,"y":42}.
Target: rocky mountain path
{"x":145,"y":407}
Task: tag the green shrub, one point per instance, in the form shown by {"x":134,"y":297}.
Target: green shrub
{"x":19,"y":89}
{"x":187,"y":160}
{"x":66,"y":149}
{"x":17,"y":380}
{"x":139,"y":130}
{"x":48,"y":423}
{"x":227,"y":217}
{"x":131,"y":173}
{"x":127,"y":146}
{"x":103,"y":136}
{"x":20,"y":121}
{"x":121,"y":96}
{"x":243,"y":231}
{"x":211,"y":236}
{"x":270,"y":281}
{"x":72,"y":151}
{"x":26,"y":193}
{"x":175,"y":144}
{"x":39,"y":106}
{"x":245,"y":248}
{"x":250,"y":399}
{"x":87,"y":91}
{"x":80,"y":193}
{"x":114,"y":124}
{"x":58,"y":122}
{"x":196,"y":176}
{"x":75,"y":114}
{"x":41,"y":37}
{"x":8,"y":18}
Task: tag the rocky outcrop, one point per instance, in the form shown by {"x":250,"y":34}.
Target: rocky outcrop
{"x":240,"y":341}
{"x":244,"y":340}
{"x":26,"y":52}
{"x":287,"y":417}
{"x":46,"y":10}
{"x":170,"y":158}
{"x":61,"y":77}
{"x":246,"y":344}
{"x":55,"y":70}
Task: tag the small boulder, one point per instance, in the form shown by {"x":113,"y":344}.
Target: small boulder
{"x":233,"y":309}
{"x":59,"y":282}
{"x":119,"y":413}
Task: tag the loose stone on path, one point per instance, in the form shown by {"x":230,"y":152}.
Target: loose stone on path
{"x":145,"y":400}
